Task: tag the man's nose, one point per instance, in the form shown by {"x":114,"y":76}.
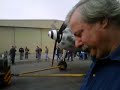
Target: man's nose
{"x":78,"y":43}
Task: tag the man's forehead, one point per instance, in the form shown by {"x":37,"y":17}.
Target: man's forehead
{"x":76,"y":17}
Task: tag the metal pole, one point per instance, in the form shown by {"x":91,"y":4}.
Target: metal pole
{"x":41,"y":70}
{"x":14,"y":36}
{"x":50,"y":75}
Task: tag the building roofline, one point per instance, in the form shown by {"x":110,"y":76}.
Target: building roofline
{"x":31,"y":23}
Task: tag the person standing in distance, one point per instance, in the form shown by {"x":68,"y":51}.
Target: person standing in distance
{"x":12,"y":54}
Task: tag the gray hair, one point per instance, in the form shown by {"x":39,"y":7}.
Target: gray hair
{"x":96,"y":10}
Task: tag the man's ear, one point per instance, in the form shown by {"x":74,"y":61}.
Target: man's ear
{"x":104,"y":23}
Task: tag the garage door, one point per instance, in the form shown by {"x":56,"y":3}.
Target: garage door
{"x":29,"y":37}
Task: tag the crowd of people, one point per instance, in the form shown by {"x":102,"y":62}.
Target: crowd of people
{"x":39,"y":52}
{"x":24,"y":53}
{"x":60,"y":54}
{"x":69,"y":55}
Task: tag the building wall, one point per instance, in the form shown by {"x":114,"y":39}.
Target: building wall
{"x":30,"y":37}
{"x":47,"y":41}
{"x":6,"y":38}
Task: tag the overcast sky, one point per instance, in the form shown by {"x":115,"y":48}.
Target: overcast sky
{"x":35,"y":9}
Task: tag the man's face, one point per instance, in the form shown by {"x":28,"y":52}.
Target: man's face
{"x":88,"y":36}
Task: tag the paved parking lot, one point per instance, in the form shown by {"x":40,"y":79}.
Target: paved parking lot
{"x":47,"y":83}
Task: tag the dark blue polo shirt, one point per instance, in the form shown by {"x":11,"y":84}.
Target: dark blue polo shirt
{"x":104,"y":73}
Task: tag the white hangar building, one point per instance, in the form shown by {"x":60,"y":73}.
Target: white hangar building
{"x":30,"y":33}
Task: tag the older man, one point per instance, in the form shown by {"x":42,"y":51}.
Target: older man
{"x":96,"y":25}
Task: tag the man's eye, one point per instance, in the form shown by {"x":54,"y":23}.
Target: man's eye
{"x":78,"y":34}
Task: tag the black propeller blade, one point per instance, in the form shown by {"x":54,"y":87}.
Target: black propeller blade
{"x":54,"y":52}
{"x":63,"y":26}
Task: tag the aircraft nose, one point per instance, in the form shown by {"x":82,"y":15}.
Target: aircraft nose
{"x":53,"y":34}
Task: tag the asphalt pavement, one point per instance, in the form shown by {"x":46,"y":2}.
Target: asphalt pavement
{"x":47,"y":83}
